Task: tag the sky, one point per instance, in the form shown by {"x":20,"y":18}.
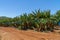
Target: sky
{"x":12,"y":8}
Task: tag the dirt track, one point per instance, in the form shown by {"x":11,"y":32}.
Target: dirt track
{"x":7,"y":33}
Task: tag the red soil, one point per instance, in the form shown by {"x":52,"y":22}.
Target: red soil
{"x":7,"y":33}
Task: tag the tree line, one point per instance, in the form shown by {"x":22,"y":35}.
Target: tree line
{"x":36,"y":20}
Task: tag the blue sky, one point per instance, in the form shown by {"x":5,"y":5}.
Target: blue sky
{"x":12,"y":8}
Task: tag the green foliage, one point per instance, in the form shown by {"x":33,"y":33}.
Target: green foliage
{"x":37,"y":20}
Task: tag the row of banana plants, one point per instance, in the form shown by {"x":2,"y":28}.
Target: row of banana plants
{"x":36,"y":20}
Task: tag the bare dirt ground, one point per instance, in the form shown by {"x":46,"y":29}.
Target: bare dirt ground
{"x":7,"y":33}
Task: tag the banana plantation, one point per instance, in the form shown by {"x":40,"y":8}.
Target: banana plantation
{"x":36,"y":20}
